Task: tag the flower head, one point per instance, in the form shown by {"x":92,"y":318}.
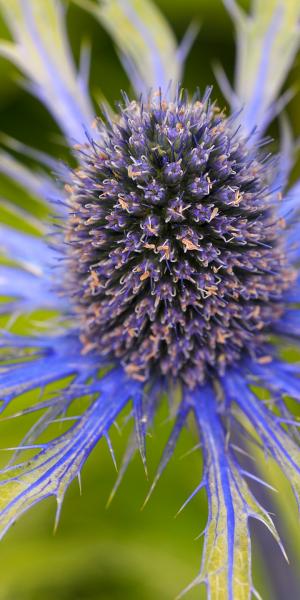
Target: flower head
{"x":175,"y":260}
{"x":175,"y":264}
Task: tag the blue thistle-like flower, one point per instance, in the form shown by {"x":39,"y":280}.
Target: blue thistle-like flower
{"x":175,"y":265}
{"x":175,"y":259}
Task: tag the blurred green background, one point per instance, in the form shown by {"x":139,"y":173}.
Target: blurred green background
{"x":123,"y":552}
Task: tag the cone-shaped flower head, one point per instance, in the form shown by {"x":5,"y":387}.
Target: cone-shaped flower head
{"x":176,"y":264}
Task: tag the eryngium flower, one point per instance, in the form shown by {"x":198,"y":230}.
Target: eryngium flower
{"x":175,"y":258}
{"x":175,"y":265}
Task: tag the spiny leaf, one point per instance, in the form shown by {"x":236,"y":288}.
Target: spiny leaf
{"x":144,"y":39}
{"x":40,"y":50}
{"x":267,"y":42}
{"x":226,"y":561}
{"x":51,"y":471}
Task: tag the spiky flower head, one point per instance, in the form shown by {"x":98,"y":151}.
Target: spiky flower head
{"x":175,"y":260}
